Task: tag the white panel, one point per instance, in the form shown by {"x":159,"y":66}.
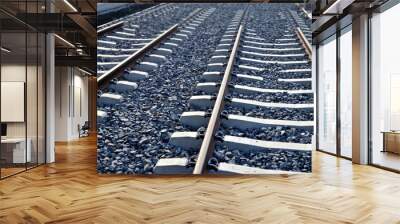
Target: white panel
{"x":12,"y":101}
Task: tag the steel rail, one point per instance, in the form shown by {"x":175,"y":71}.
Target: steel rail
{"x":109,"y":28}
{"x":304,"y":42}
{"x":187,"y":18}
{"x":112,"y":73}
{"x":207,"y":146}
{"x":305,"y":12}
{"x":128,"y":17}
{"x":302,"y":38}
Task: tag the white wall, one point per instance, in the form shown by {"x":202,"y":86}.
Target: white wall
{"x":61,"y":103}
{"x":17,"y":73}
{"x":33,"y":126}
{"x":14,"y":72}
{"x":70,"y":83}
{"x":79,"y":117}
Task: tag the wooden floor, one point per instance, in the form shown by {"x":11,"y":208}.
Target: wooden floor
{"x":387,"y":159}
{"x":5,"y":172}
{"x":70,"y":191}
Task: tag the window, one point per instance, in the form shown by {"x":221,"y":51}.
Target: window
{"x":385,"y":89}
{"x":327,"y":95}
{"x":22,"y":77}
{"x":346,"y":92}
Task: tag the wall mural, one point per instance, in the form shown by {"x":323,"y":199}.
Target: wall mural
{"x":204,"y":89}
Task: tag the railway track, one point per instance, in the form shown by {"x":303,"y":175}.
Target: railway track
{"x":122,"y":41}
{"x":231,"y":98}
{"x":107,"y":27}
{"x":302,"y":20}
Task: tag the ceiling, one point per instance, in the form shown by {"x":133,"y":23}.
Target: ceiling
{"x":72,"y":20}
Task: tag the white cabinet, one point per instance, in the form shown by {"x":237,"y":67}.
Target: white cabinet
{"x":17,"y":145}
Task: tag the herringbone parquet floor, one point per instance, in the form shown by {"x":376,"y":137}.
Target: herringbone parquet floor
{"x":70,"y":191}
